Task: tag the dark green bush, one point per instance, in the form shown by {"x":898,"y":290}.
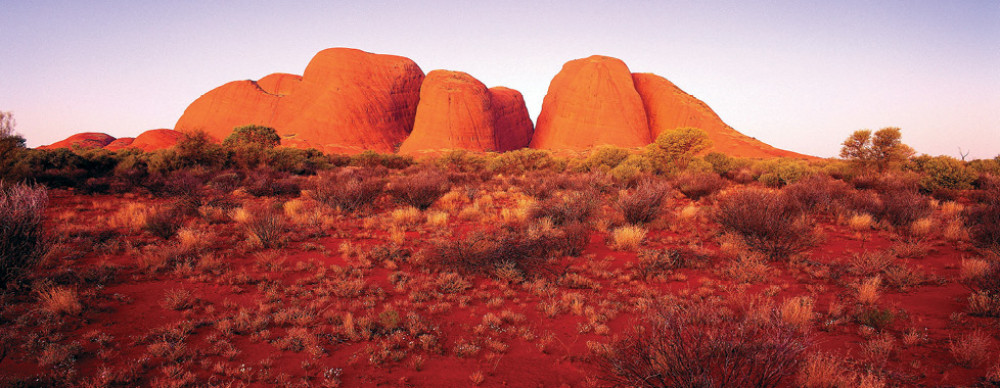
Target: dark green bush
{"x":22,"y":237}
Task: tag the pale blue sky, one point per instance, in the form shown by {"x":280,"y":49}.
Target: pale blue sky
{"x":800,"y":75}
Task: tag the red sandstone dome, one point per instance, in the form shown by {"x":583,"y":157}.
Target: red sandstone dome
{"x":456,"y":111}
{"x":590,"y":102}
{"x":346,"y":101}
{"x":82,"y":140}
{"x":156,"y":139}
{"x":668,"y":107}
{"x":119,"y":144}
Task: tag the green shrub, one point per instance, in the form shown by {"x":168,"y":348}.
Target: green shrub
{"x":673,"y":149}
{"x":943,"y":173}
{"x":630,"y":169}
{"x":22,"y":238}
{"x":606,"y":157}
{"x":371,"y":159}
{"x":524,"y":160}
{"x":783,"y":171}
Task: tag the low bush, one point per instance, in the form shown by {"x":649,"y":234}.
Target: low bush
{"x":524,"y":248}
{"x":901,"y":208}
{"x":942,"y":173}
{"x":818,"y":193}
{"x":697,"y":185}
{"x":644,"y":203}
{"x":702,"y":345}
{"x":267,"y":182}
{"x":349,"y":190}
{"x":420,"y":188}
{"x":571,"y":207}
{"x":983,"y":220}
{"x":22,"y":237}
{"x":164,"y":222}
{"x":768,"y":221}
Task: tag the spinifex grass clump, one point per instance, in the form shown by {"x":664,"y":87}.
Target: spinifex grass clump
{"x":644,"y":203}
{"x":703,"y":345}
{"x":22,"y":240}
{"x":766,"y":220}
{"x":349,"y":190}
{"x":420,"y":188}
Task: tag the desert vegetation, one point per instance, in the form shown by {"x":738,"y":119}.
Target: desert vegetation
{"x":244,"y":263}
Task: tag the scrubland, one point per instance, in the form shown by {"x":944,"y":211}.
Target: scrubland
{"x":291,"y":268}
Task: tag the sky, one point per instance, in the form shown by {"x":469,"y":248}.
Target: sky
{"x":799,"y":75}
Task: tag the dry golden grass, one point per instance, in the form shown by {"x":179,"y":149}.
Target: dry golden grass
{"x":131,"y":217}
{"x":798,"y":312}
{"x":867,"y":291}
{"x":628,"y":237}
{"x":951,"y":209}
{"x":689,"y":212}
{"x":437,"y":218}
{"x":406,"y":216}
{"x":60,"y":300}
{"x":192,"y":240}
{"x":985,"y":304}
{"x":922,"y":227}
{"x":955,"y":230}
{"x":860,"y":222}
{"x":241,"y":215}
{"x":973,"y":269}
{"x":878,"y":349}
{"x":972,"y":349}
{"x":824,"y":371}
{"x":179,"y":299}
{"x":748,"y":268}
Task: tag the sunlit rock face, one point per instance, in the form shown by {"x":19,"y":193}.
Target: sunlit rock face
{"x":590,"y":102}
{"x":82,"y":140}
{"x":456,"y":111}
{"x":346,"y":101}
{"x":668,"y":107}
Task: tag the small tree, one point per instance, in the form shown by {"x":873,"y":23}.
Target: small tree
{"x":259,"y":135}
{"x":250,"y":144}
{"x":882,"y":151}
{"x":673,"y":149}
{"x":11,"y":147}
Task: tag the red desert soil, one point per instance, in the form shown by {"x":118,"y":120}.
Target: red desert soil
{"x":349,"y":297}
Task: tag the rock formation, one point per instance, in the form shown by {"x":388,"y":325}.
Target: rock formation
{"x":82,"y":140}
{"x":668,"y":107}
{"x":346,"y":101}
{"x":456,"y":111}
{"x":590,"y":102}
{"x":119,"y":144}
{"x":156,"y":139}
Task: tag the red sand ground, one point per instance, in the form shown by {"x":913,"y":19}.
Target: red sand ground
{"x":540,"y":350}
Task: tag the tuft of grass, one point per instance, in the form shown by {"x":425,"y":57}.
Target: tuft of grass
{"x":22,"y":237}
{"x":867,"y":291}
{"x":406,"y":216}
{"x":971,"y":350}
{"x":178,"y":299}
{"x":164,"y":222}
{"x":60,"y":300}
{"x":628,"y":237}
{"x":798,"y":312}
{"x":824,"y":371}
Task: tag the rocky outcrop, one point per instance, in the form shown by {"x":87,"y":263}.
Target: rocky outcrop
{"x":513,"y":123}
{"x":82,"y":140}
{"x":456,"y":111}
{"x":119,"y":144}
{"x":346,"y":101}
{"x":668,"y":107}
{"x":156,"y":139}
{"x":590,"y":102}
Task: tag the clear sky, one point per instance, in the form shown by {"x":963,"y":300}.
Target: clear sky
{"x":800,"y":75}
